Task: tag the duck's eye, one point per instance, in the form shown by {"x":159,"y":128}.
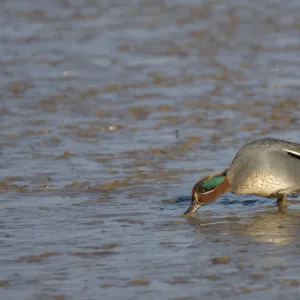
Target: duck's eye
{"x":201,"y":189}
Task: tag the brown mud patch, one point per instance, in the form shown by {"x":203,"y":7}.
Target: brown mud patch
{"x":37,"y":258}
{"x":93,"y":253}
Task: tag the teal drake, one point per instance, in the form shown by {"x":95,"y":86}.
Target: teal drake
{"x":267,"y":167}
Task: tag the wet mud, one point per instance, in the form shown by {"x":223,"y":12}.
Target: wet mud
{"x":109,"y":113}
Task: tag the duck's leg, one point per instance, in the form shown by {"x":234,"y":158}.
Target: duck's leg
{"x":282,"y":204}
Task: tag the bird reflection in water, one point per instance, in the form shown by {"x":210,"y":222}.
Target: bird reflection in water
{"x":263,"y":227}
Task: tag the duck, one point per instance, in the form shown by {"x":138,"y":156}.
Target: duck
{"x":267,"y":167}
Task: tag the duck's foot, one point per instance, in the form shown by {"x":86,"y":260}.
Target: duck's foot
{"x":282,"y":204}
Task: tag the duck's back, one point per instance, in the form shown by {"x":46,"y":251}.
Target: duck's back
{"x":268,"y":167}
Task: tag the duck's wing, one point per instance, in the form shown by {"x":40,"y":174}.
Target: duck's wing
{"x":293,"y":153}
{"x":292,"y":149}
{"x":267,"y":146}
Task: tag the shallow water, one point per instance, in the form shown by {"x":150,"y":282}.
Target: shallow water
{"x":109,"y":112}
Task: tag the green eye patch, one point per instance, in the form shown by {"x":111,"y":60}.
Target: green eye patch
{"x":210,"y":184}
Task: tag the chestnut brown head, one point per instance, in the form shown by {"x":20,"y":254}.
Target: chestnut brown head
{"x":207,"y":190}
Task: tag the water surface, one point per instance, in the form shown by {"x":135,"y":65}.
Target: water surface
{"x":109,"y":112}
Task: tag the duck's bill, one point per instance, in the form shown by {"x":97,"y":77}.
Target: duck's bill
{"x":193,"y":207}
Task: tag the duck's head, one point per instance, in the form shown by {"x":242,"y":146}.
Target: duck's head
{"x":207,"y":190}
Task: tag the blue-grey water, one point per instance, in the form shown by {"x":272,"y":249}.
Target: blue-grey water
{"x":109,"y":112}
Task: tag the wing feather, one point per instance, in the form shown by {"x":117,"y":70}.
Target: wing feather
{"x":294,"y":154}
